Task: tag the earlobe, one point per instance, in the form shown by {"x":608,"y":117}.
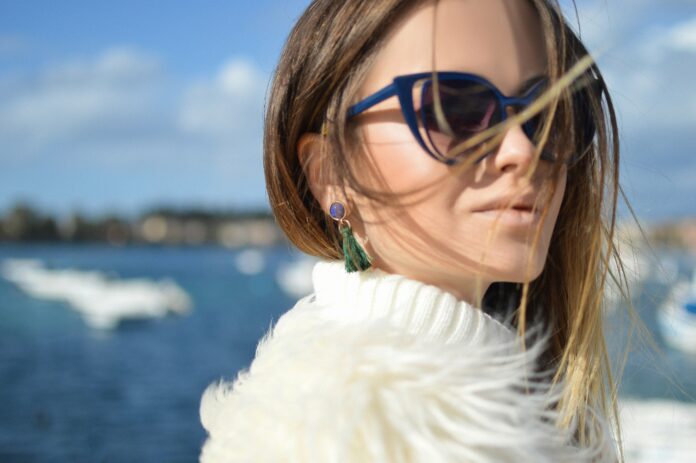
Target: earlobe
{"x":310,"y":149}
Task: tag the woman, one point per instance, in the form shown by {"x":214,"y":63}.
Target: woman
{"x":455,"y":164}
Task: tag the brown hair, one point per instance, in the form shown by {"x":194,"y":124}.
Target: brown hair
{"x":322,"y":66}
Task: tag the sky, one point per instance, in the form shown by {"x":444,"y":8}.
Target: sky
{"x":113,"y":107}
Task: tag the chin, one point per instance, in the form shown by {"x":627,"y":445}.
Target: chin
{"x":518,"y":270}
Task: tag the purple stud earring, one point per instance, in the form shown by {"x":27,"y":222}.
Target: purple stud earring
{"x":337,"y":210}
{"x":355,"y":257}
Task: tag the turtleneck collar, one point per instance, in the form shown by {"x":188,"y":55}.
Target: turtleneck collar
{"x":417,"y":307}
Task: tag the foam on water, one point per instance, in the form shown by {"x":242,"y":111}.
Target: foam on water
{"x":250,"y":261}
{"x":103,"y":302}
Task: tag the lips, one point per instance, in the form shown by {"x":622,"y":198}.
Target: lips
{"x":513,"y":205}
{"x":520,"y":216}
{"x":518,"y":202}
{"x":521,"y":208}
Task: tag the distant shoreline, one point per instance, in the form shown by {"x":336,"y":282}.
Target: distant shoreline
{"x":157,"y":226}
{"x":171,"y":226}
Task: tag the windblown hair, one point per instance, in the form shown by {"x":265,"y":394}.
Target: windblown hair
{"x":323,"y":64}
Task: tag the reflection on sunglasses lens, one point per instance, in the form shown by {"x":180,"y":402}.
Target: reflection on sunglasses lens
{"x":467,"y":108}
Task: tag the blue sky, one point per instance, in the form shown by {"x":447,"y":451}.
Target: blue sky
{"x":117,"y":106}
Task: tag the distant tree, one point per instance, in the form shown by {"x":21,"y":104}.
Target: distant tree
{"x":24,"y":223}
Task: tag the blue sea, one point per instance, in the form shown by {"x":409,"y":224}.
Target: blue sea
{"x":70,"y":392}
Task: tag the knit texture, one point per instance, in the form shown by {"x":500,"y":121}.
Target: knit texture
{"x":410,"y":305}
{"x":376,"y":367}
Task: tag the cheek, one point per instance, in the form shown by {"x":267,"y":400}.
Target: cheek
{"x":398,"y":158}
{"x":404,"y":167}
{"x":404,"y":233}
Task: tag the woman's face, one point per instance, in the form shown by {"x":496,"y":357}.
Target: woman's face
{"x":446,"y":239}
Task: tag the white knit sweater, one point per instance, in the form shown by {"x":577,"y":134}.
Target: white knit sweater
{"x":377,"y":367}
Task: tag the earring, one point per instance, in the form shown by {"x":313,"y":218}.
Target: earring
{"x":355,"y":256}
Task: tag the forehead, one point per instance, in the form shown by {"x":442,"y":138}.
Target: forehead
{"x":501,"y":40}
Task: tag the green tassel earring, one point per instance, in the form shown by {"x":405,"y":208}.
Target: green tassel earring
{"x":355,"y":256}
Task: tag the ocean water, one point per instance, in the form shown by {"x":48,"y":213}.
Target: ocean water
{"x":70,"y":392}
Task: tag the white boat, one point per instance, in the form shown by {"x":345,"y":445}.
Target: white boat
{"x":250,"y":261}
{"x":658,"y":430}
{"x":101,"y":301}
{"x":636,"y":266}
{"x":295,"y":278}
{"x":676,"y":317}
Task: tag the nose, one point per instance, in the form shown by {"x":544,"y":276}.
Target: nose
{"x":515,"y":152}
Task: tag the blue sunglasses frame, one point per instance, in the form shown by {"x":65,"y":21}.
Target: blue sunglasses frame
{"x":402,"y":87}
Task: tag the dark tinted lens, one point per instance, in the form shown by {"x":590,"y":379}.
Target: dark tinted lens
{"x":468,"y":108}
{"x":532,"y":127}
{"x":584,"y":123}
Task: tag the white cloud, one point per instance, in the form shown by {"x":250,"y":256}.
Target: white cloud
{"x":682,"y":36}
{"x":123,"y":99}
{"x":111,"y":94}
{"x":239,"y":77}
{"x":121,"y":116}
{"x":228,"y":105}
{"x":114,"y":65}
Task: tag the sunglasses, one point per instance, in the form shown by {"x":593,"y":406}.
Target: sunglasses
{"x":471,"y":104}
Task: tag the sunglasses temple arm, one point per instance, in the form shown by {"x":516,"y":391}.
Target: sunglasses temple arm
{"x":375,"y":98}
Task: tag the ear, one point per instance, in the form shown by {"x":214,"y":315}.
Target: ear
{"x":310,"y":151}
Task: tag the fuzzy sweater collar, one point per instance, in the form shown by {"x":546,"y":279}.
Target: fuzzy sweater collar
{"x":375,"y":367}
